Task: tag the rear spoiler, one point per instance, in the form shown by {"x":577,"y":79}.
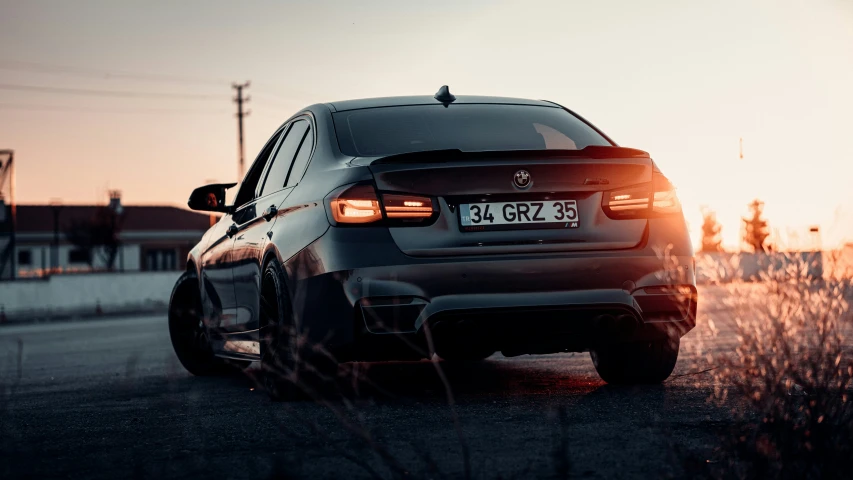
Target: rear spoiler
{"x":451,"y":155}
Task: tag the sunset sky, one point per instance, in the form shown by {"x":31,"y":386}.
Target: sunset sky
{"x":682,"y":80}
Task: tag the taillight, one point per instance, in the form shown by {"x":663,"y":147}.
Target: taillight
{"x":408,"y":207}
{"x":641,"y":201}
{"x":359,"y":203}
{"x":356,"y":204}
{"x":627,"y":202}
{"x":665,"y":199}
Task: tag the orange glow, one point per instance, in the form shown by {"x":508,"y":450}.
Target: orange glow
{"x":362,"y":203}
{"x":356,"y":211}
{"x":407,"y":206}
{"x":357,"y":204}
{"x":666,"y":202}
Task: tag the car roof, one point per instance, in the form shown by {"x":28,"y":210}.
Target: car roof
{"x":357,"y":104}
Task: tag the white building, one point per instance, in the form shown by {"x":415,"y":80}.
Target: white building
{"x":150,"y":238}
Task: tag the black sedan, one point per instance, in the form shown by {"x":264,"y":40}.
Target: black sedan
{"x":407,"y":227}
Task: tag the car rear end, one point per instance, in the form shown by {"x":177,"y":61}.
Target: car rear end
{"x":518,"y":228}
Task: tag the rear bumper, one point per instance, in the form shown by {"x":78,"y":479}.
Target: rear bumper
{"x":357,"y":293}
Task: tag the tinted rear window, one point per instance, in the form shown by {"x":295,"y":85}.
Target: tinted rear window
{"x":467,"y":127}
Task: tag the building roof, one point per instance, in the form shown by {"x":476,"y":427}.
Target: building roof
{"x":39,"y":218}
{"x":344,"y":105}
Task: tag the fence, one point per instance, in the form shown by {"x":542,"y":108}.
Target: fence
{"x":723,"y":266}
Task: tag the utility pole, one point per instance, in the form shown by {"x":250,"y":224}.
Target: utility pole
{"x":240,"y":114}
{"x":8,"y":253}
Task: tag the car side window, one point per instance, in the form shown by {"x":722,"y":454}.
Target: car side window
{"x":260,"y":187}
{"x":249,"y":185}
{"x":301,"y":160}
{"x":277,"y":173}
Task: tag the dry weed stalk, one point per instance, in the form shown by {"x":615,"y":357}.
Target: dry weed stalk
{"x":789,"y":376}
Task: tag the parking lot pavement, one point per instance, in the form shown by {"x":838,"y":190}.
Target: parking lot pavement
{"x":108,"y":399}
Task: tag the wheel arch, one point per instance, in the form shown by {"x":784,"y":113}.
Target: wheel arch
{"x":271,"y":253}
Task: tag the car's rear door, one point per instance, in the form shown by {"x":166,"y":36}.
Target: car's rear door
{"x":254,"y":222}
{"x":216,"y":277}
{"x":218,"y":262}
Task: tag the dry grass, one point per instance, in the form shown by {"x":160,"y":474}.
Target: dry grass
{"x":787,"y":378}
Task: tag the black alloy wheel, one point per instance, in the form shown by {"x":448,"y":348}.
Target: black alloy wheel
{"x":189,"y":334}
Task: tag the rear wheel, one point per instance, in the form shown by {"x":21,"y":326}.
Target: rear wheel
{"x":278,"y":357}
{"x":288,"y":371}
{"x":637,"y":362}
{"x":189,"y":334}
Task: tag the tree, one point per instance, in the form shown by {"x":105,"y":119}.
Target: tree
{"x":711,"y":241}
{"x":99,"y":234}
{"x":755,"y":227}
{"x":106,"y":228}
{"x":79,"y":234}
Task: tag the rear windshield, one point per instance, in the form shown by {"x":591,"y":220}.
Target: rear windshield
{"x":467,"y":127}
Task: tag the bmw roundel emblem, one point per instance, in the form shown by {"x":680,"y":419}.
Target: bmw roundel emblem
{"x":522,"y":179}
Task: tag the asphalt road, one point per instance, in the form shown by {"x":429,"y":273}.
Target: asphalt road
{"x":108,"y":399}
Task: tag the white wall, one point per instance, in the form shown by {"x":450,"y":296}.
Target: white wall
{"x":129,"y":254}
{"x":79,"y":294}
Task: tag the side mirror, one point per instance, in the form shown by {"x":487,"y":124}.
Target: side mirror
{"x":210,"y":198}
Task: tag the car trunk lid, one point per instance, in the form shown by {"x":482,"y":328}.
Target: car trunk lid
{"x":458,"y":180}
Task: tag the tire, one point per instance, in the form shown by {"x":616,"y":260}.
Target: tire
{"x":288,"y":370}
{"x":636,"y":363}
{"x":188,"y":333}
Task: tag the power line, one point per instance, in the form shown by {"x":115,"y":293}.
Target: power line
{"x":106,"y":93}
{"x":277,"y":97}
{"x":95,"y":73}
{"x":60,"y":108}
{"x":24,"y":66}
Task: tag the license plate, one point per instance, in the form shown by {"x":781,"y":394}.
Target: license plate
{"x":519,"y":215}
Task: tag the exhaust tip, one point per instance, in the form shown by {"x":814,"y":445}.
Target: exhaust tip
{"x":606,"y":322}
